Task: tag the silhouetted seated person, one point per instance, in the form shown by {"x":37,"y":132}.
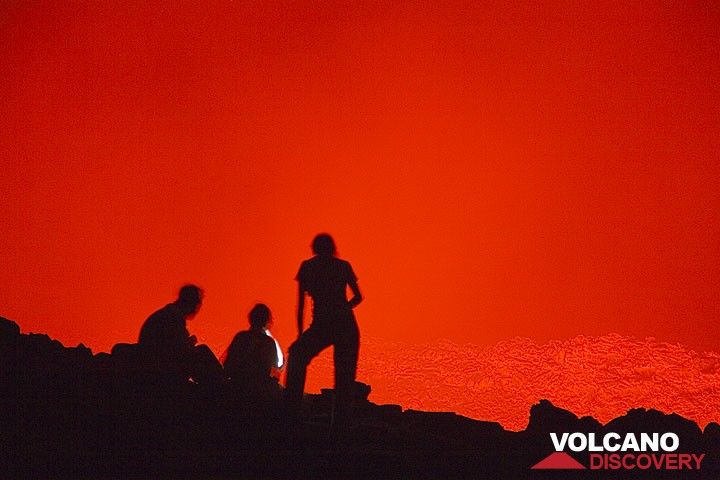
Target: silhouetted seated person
{"x":167,"y":346}
{"x":252,"y":357}
{"x":325,"y":278}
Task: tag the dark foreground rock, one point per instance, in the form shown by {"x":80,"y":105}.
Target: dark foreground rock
{"x":65,"y":412}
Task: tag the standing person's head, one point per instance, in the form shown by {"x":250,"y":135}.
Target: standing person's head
{"x":190,"y":299}
{"x":324,"y":245}
{"x":259,"y":317}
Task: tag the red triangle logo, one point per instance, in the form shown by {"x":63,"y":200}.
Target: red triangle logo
{"x":558,"y":461}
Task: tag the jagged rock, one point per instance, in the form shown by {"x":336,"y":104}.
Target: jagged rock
{"x":642,"y":420}
{"x":9,"y":330}
{"x":9,"y":337}
{"x":450,"y":426}
{"x":75,"y":414}
{"x":546,"y":417}
{"x":391,"y":414}
{"x":127,"y":356}
{"x":712,"y":430}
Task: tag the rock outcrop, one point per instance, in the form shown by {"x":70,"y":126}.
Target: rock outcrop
{"x":67,"y":412}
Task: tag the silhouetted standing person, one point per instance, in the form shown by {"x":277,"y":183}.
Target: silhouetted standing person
{"x":167,"y":344}
{"x":253,"y":354}
{"x":325,"y":279}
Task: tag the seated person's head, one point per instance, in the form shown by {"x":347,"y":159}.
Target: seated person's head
{"x":190,"y":299}
{"x":259,"y":317}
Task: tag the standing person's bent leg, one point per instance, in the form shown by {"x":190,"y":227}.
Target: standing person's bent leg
{"x":347,"y":347}
{"x":305,"y":348}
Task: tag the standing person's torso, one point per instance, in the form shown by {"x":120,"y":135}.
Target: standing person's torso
{"x":326,"y":279}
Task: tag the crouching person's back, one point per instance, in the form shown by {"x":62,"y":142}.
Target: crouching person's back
{"x":168,"y":348}
{"x":252,"y":357}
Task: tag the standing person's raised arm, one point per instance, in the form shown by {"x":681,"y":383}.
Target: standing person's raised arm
{"x":357,"y":296}
{"x":352,"y":282}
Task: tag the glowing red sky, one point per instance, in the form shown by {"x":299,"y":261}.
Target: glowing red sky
{"x":490,"y":171}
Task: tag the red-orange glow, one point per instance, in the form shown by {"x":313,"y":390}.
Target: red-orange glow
{"x":602,"y":377}
{"x":489,"y":170}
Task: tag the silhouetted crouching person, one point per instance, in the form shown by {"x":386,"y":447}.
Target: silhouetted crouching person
{"x":252,"y":356}
{"x":167,"y":345}
{"x":325,"y":278}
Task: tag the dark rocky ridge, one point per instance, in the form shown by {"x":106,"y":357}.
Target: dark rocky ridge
{"x":66,"y":412}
